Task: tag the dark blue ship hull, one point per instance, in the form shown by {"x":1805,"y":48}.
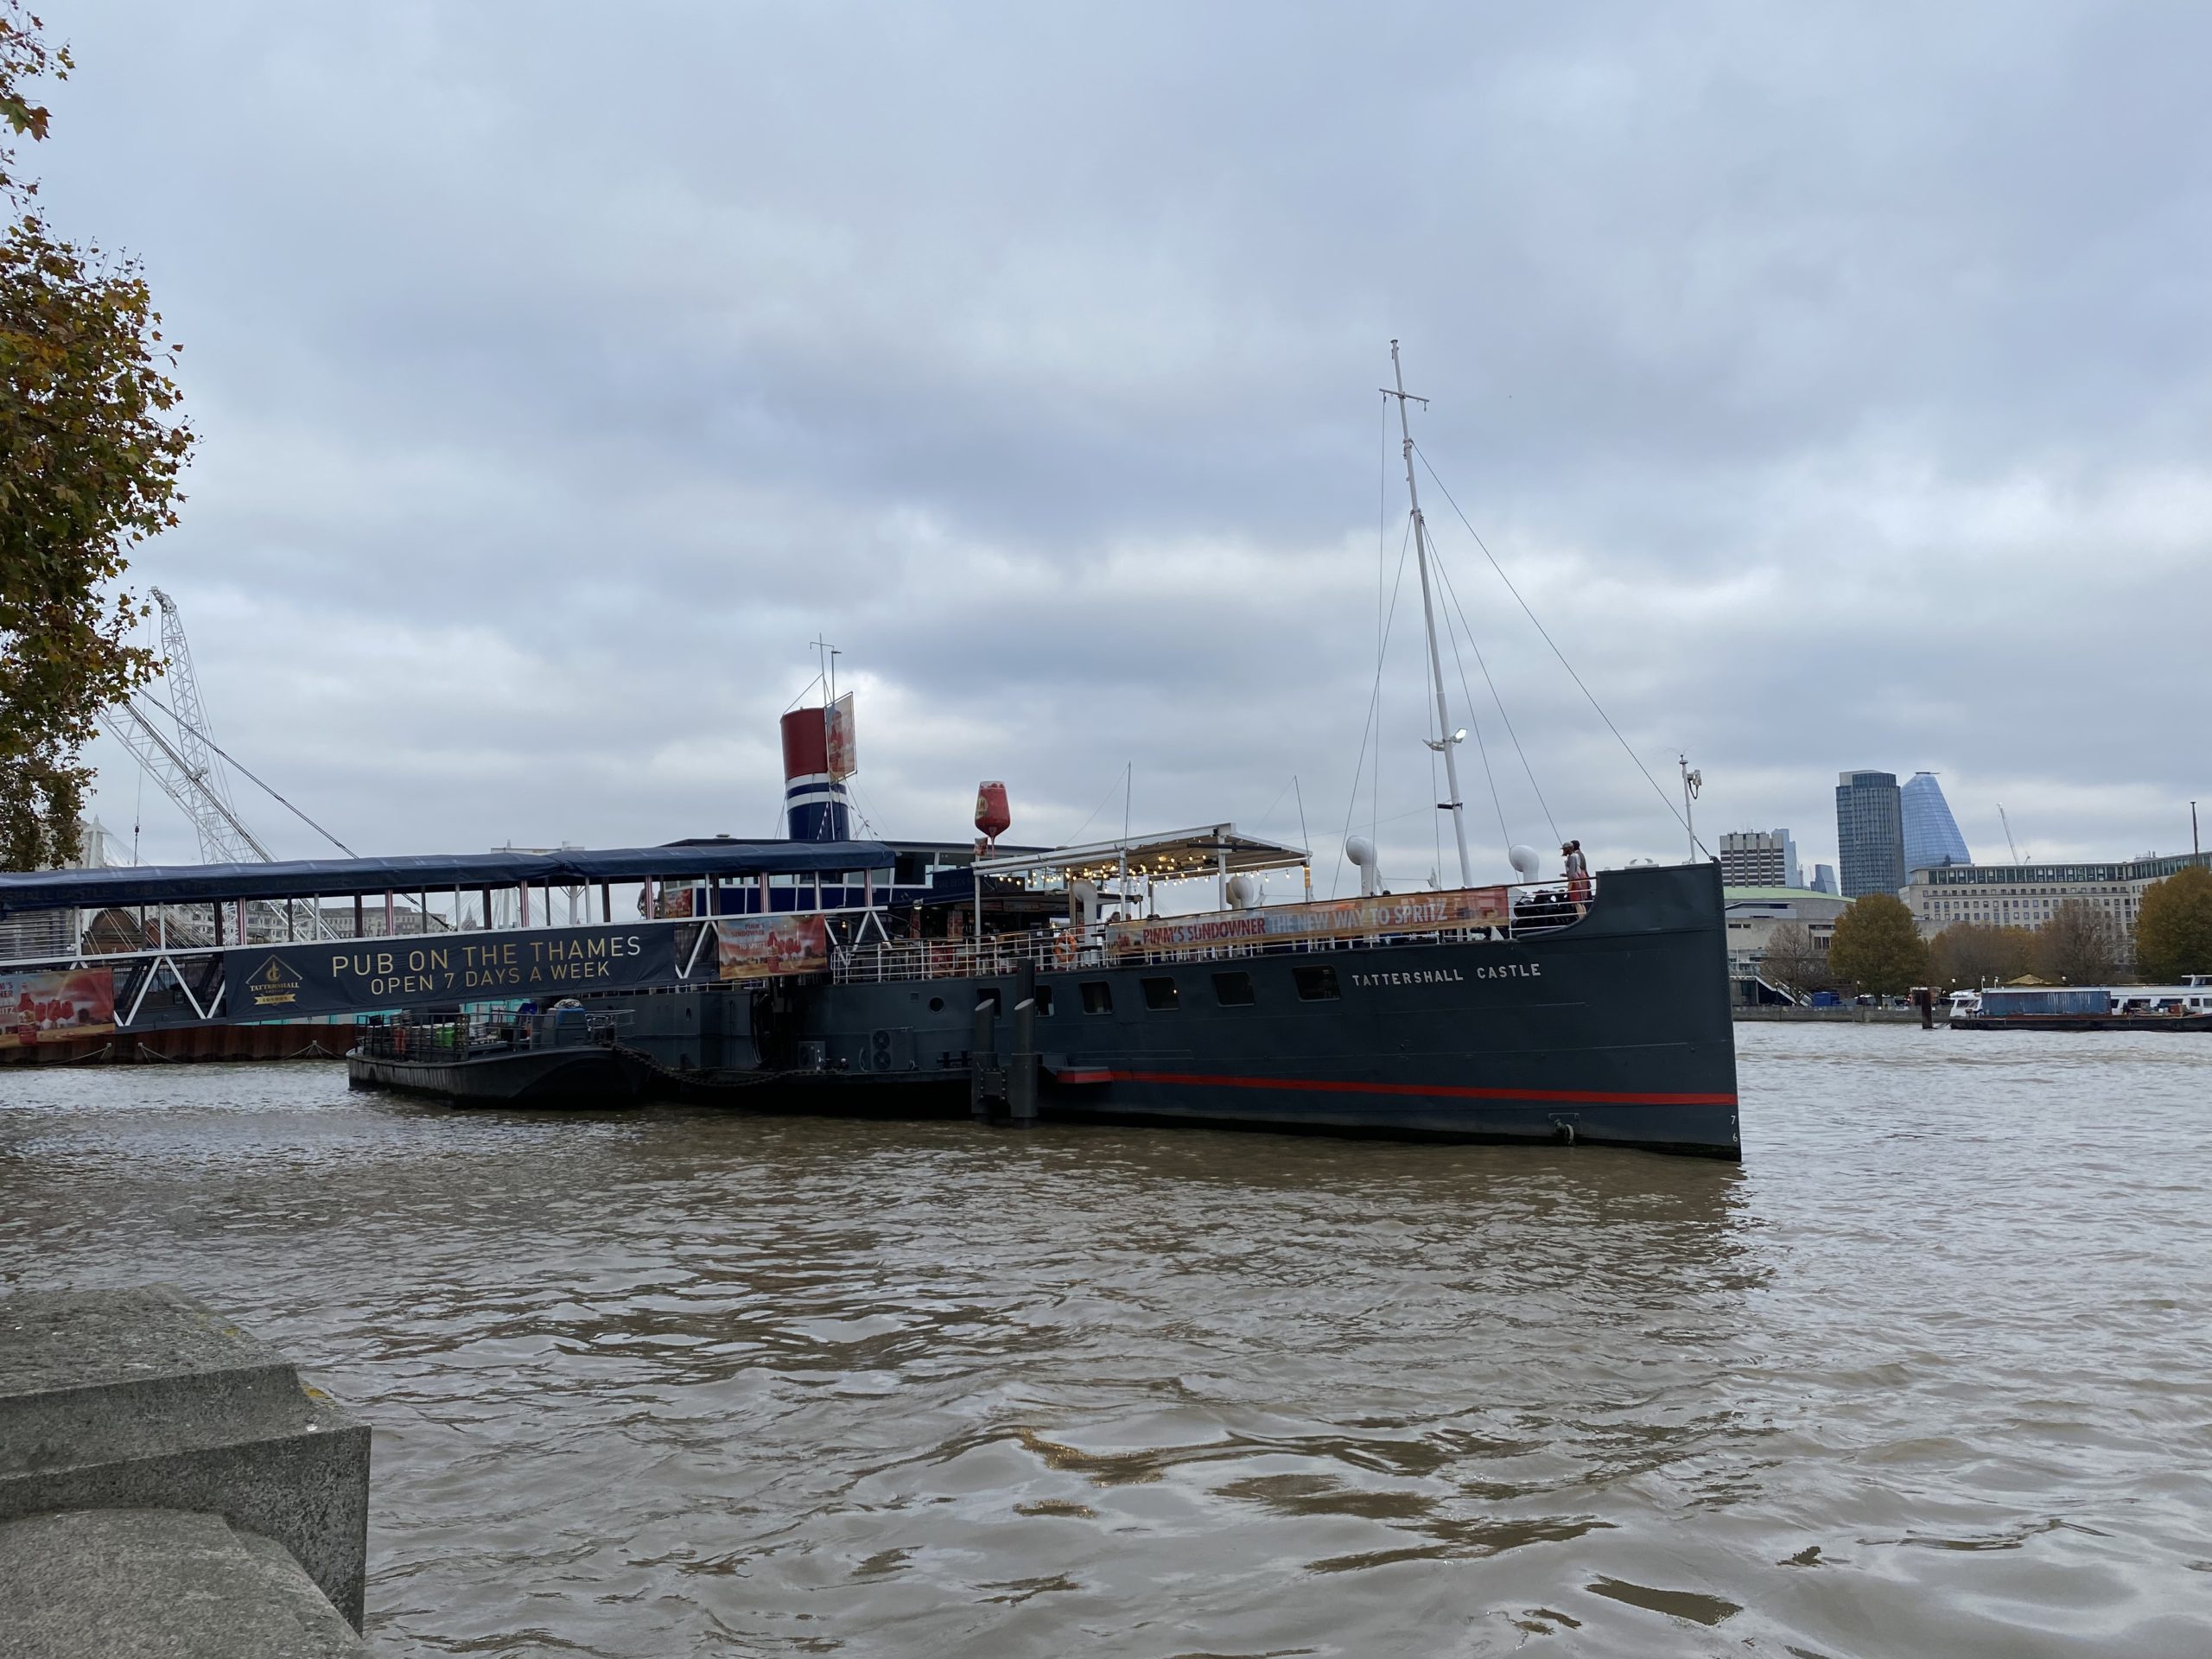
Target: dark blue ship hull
{"x":1612,"y":1030}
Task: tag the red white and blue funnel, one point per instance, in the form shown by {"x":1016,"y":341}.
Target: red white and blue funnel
{"x":816,"y":807}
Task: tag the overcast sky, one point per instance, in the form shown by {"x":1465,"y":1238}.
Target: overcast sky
{"x":1832,"y":381}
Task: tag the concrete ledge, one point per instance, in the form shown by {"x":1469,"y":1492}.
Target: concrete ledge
{"x":140,"y":1399}
{"x":165,"y":1582}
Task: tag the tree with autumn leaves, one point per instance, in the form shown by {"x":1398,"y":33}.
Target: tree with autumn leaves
{"x":2173,"y":925}
{"x":1877,"y":947}
{"x":92,"y":447}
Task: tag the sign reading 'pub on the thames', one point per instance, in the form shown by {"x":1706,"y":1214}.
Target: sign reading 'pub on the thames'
{"x":350,"y":976}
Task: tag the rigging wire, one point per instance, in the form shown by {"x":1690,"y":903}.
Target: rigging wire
{"x":1664,"y":800}
{"x":1481,"y":663}
{"x":234,"y":760}
{"x":852,"y":800}
{"x":1261,"y":822}
{"x":1112,"y":789}
{"x":1474,"y":725}
{"x":1372,"y":725}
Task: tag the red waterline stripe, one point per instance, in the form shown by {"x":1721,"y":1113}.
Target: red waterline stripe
{"x":1449,"y":1091}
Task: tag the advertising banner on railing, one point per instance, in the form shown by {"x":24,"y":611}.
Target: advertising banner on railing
{"x":760,"y":947}
{"x":1395,"y":912}
{"x":48,"y":1007}
{"x":356,"y":975}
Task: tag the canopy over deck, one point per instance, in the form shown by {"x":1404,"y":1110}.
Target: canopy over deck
{"x":1176,"y":855}
{"x":179,"y":884}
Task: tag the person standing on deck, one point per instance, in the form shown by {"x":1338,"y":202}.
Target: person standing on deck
{"x":1578,"y":877}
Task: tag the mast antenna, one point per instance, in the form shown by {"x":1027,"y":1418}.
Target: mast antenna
{"x":1446,"y":740}
{"x":1692,"y":783}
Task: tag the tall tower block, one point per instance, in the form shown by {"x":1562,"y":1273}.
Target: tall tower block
{"x":1931,"y":833}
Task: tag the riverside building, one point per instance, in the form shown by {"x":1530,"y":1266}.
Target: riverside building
{"x":1754,"y":912}
{"x":2026,"y":895}
{"x":1758,"y":858}
{"x":1931,"y":833}
{"x":1869,"y":833}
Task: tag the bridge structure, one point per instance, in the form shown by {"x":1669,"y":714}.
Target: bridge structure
{"x":164,"y":946}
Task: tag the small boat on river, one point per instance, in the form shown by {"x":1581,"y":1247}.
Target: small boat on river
{"x":566,"y":1058}
{"x":2185,"y":1006}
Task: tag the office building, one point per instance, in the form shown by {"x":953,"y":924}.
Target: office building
{"x":1931,"y":833}
{"x":1824,"y":879}
{"x":1869,"y":833}
{"x":1753,"y":913}
{"x":2025,"y":895}
{"x":1756,"y":858}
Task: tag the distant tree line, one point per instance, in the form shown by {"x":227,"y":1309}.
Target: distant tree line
{"x":1877,"y":949}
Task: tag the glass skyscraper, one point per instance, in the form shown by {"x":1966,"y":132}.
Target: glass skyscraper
{"x":1870,"y":833}
{"x":1931,"y":833}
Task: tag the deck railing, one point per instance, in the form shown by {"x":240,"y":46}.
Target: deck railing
{"x":1536,"y":909}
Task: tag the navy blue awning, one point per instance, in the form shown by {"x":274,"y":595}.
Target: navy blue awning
{"x":179,"y":884}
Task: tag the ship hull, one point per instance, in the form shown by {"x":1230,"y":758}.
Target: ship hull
{"x":550,"y":1078}
{"x":1615,"y":1030}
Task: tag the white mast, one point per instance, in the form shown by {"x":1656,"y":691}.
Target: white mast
{"x":1446,"y":739}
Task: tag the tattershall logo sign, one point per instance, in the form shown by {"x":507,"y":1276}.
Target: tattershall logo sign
{"x":275,"y":985}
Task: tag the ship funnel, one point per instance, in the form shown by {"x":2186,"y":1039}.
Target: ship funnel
{"x":815,"y":806}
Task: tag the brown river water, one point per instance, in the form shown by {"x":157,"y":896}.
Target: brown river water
{"x":1930,"y":1373}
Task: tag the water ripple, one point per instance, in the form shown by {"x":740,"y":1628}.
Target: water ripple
{"x":1930,"y":1373}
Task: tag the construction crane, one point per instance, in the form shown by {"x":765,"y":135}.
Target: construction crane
{"x":184,"y":767}
{"x":2007,"y":822}
{"x":183,"y":762}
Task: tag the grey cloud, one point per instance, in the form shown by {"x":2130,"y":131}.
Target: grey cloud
{"x":1833,"y":381}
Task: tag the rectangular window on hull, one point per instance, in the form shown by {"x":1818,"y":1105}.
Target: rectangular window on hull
{"x":1233,"y":990}
{"x":1159,"y":994}
{"x":1317,"y":984}
{"x":1097,"y":996}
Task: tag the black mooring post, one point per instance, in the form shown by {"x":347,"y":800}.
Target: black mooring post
{"x":982,"y":1059}
{"x":1021,"y":1068}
